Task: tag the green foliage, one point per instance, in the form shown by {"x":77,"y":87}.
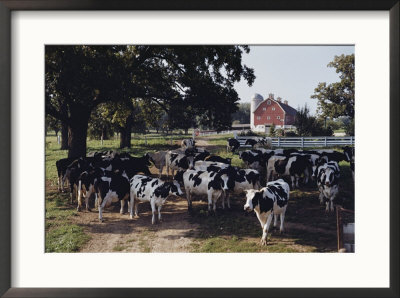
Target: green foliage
{"x":337,"y":99}
{"x":247,"y":133}
{"x":272,"y":130}
{"x":53,"y":124}
{"x":349,"y":128}
{"x":308,"y":125}
{"x":291,"y":134}
{"x":242,"y":115}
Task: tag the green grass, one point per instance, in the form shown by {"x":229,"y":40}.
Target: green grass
{"x":65,"y":238}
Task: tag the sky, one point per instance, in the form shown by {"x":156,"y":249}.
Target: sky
{"x":291,"y":72}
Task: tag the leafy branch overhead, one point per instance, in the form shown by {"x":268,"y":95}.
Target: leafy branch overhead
{"x":183,"y":81}
{"x":337,"y":99}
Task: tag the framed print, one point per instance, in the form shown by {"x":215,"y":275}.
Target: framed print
{"x":41,"y":256}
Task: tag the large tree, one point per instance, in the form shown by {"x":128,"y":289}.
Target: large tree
{"x":198,"y":77}
{"x":337,"y":99}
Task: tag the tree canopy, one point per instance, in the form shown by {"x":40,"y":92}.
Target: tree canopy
{"x":182,"y":80}
{"x":337,"y":99}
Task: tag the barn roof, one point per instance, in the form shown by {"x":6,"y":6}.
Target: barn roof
{"x":288,"y":109}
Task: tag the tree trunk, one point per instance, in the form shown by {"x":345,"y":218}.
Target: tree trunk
{"x":78,"y":135}
{"x":125,"y":133}
{"x":64,"y":136}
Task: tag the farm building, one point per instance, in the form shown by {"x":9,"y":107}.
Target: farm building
{"x":264,"y":113}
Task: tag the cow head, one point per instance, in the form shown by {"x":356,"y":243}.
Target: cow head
{"x":175,"y":188}
{"x":190,"y":161}
{"x":252,"y":199}
{"x":179,"y":176}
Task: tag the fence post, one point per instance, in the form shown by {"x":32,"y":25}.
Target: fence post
{"x":171,"y":140}
{"x":145,"y":140}
{"x":279,"y":141}
{"x":302,"y":142}
{"x":58,"y":139}
{"x":325,"y":141}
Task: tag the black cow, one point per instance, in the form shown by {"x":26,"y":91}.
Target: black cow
{"x":232,"y":145}
{"x":62,"y":166}
{"x":112,"y":187}
{"x":216,"y":158}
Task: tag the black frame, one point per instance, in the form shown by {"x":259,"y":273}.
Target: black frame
{"x":7,"y":6}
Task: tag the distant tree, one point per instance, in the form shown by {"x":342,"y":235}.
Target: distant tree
{"x":100,"y":126}
{"x":272,"y":130}
{"x":337,"y":99}
{"x":52,"y":124}
{"x":242,"y":114}
{"x":308,"y":125}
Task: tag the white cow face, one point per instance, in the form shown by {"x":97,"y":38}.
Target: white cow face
{"x":328,"y":177}
{"x":190,"y":160}
{"x":249,"y":199}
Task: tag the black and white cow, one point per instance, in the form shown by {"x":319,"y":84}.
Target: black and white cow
{"x":256,"y":143}
{"x":216,"y":158}
{"x":256,"y":158}
{"x":178,"y":161}
{"x":135,"y":165}
{"x":350,"y":157}
{"x":62,"y":166}
{"x":328,"y":175}
{"x":112,"y":187}
{"x":268,"y":202}
{"x":203,"y":183}
{"x":87,"y":180}
{"x":188,"y":143}
{"x":238,"y":180}
{"x":152,"y":190}
{"x":293,"y":166}
{"x":198,"y":154}
{"x":232,"y":145}
{"x":209,"y":166}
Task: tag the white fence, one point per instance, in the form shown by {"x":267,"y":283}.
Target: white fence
{"x":304,"y":142}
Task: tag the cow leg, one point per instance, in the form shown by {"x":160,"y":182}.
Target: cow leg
{"x":159,"y":213}
{"x":131,"y":205}
{"x":209,"y":196}
{"x":87,"y":196}
{"x":265,"y":230}
{"x":275,"y":220}
{"x":189,"y":199}
{"x":161,"y":168}
{"x":153,"y":211}
{"x":59,"y":183}
{"x":79,"y":197}
{"x":96,"y":202}
{"x":121,"y":211}
{"x":321,"y":197}
{"x":282,"y":220}
{"x":226,"y":194}
{"x":223,"y":201}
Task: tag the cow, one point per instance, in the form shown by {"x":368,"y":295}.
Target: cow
{"x":110,"y":188}
{"x":133,"y":165}
{"x":198,"y":154}
{"x":158,"y":159}
{"x":188,"y":143}
{"x":328,"y":175}
{"x":87,"y":179}
{"x":216,"y":158}
{"x":203,"y":183}
{"x":152,"y":190}
{"x":259,"y":142}
{"x":62,"y":165}
{"x":177,"y":161}
{"x":256,"y":158}
{"x":251,"y":142}
{"x":350,"y":157}
{"x":238,"y":180}
{"x":293,"y":166}
{"x":268,"y":202}
{"x":204,"y":165}
{"x":232,"y":145}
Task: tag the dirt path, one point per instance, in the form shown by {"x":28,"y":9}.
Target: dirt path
{"x":120,"y":233}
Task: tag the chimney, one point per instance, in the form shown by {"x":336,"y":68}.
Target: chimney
{"x":285,"y":102}
{"x":271,"y":96}
{"x":279,"y":99}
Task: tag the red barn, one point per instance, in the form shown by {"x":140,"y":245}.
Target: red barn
{"x":270,"y":111}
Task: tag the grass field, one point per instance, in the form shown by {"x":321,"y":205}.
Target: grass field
{"x":308,"y":228}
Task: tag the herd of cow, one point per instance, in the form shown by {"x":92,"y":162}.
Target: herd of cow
{"x":111,"y":177}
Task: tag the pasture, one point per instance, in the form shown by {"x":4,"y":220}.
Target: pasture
{"x":307,"y":227}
